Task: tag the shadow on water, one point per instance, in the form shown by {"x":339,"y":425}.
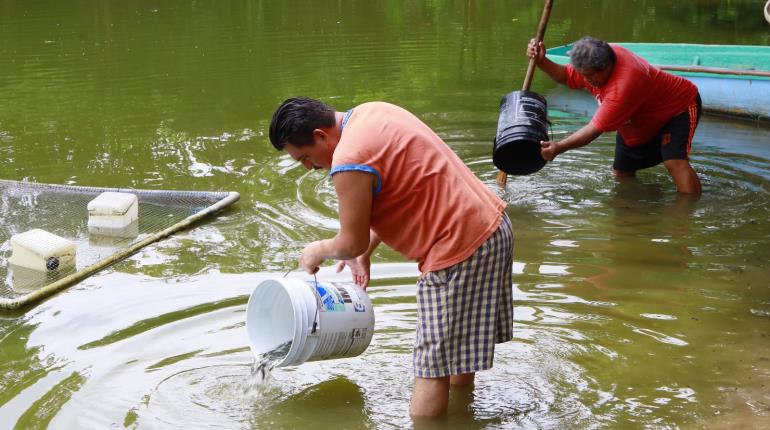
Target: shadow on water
{"x":334,"y":404}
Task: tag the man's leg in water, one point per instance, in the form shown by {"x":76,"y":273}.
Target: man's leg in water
{"x":684,"y":176}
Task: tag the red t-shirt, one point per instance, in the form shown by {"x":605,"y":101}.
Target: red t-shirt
{"x":638,"y":99}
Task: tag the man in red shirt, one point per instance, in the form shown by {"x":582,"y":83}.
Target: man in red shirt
{"x":655,"y":113}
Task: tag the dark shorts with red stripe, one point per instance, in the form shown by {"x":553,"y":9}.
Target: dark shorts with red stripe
{"x":672,"y":142}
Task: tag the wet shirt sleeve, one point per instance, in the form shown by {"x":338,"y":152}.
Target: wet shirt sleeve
{"x":619,"y":101}
{"x":574,"y":79}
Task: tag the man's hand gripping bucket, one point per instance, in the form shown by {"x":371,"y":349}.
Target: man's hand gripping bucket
{"x":313,"y":320}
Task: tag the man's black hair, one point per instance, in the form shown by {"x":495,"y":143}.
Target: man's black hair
{"x":591,"y":53}
{"x":294,"y":121}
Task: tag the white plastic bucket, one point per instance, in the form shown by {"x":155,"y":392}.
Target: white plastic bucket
{"x":323,"y":320}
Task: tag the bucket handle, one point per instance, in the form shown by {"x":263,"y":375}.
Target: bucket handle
{"x":318,"y":305}
{"x":550,"y":129}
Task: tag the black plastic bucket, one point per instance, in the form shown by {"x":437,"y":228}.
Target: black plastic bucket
{"x":522,"y":125}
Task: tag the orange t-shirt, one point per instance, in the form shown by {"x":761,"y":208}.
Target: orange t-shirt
{"x":427,"y":204}
{"x":638,"y":99}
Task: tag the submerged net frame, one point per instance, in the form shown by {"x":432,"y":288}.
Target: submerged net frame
{"x":62,"y":210}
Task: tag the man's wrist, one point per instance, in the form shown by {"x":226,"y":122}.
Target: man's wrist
{"x":558,"y":148}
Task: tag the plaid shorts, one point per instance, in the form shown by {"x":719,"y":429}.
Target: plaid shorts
{"x":463,"y":310}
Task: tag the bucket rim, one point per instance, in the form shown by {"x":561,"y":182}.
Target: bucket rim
{"x":288,"y":288}
{"x":301,"y":322}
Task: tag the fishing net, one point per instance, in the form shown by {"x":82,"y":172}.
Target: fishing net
{"x":62,"y":210}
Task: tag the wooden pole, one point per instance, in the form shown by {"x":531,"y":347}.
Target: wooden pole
{"x":502,"y":177}
{"x":714,"y":70}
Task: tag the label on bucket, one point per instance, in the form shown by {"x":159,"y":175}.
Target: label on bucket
{"x":531,"y":109}
{"x":342,"y":344}
{"x":335,"y":296}
{"x":346,"y":322}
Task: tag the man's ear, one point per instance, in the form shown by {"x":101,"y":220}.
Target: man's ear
{"x":319,"y":134}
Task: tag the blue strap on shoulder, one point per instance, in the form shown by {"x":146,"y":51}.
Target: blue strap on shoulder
{"x":359,"y":168}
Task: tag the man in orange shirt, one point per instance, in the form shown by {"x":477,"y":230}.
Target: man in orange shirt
{"x":655,"y":113}
{"x":397,"y":182}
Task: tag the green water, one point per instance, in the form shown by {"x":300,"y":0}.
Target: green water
{"x":633,"y":309}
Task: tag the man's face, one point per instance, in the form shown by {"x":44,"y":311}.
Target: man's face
{"x":595,"y":77}
{"x":315,"y":156}
{"x":304,"y":155}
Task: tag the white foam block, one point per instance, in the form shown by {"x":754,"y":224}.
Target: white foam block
{"x":111,"y":237}
{"x":112,"y":211}
{"x":40,"y":250}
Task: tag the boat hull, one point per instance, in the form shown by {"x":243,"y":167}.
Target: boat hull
{"x":767,"y":11}
{"x":739,"y":97}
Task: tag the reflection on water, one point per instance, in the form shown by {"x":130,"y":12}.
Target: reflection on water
{"x":634,"y":308}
